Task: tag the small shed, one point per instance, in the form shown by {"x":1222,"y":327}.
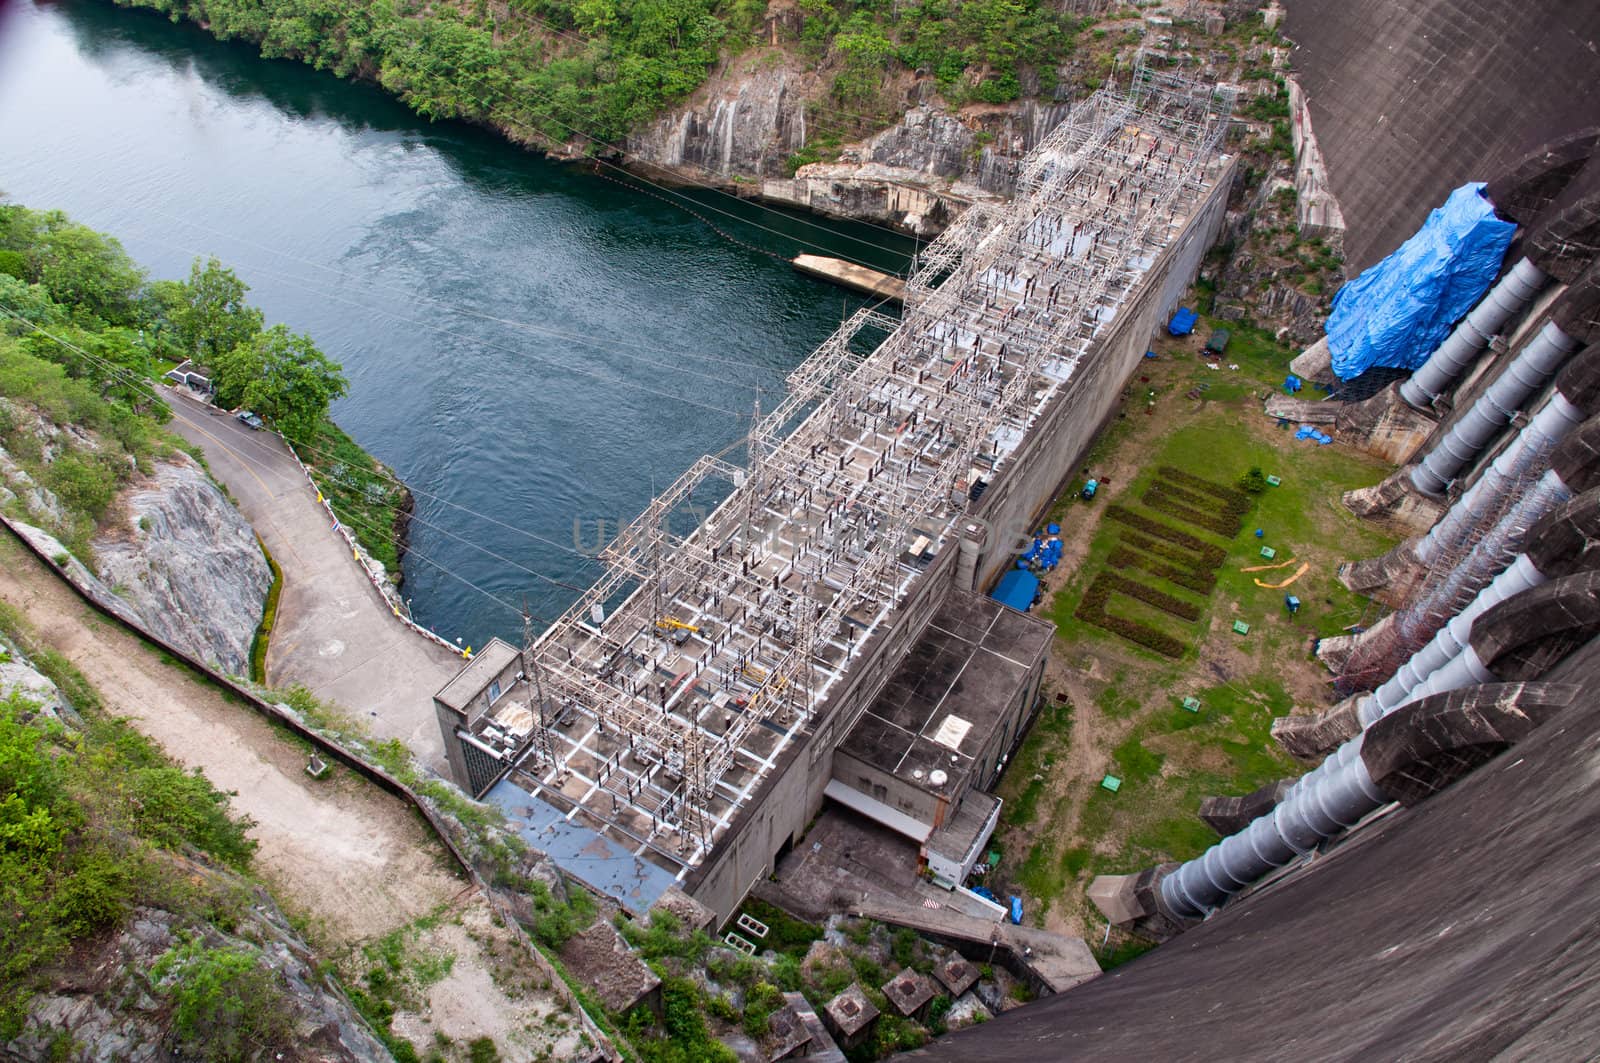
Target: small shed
{"x":910,"y":994}
{"x":850,"y":1017}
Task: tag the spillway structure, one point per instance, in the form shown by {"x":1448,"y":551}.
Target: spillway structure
{"x":686,"y":707}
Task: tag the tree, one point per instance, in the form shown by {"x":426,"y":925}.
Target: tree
{"x":212,"y":316}
{"x":281,"y":376}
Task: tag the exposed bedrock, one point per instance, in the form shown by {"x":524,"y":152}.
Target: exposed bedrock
{"x":746,"y":124}
{"x":188,"y":564}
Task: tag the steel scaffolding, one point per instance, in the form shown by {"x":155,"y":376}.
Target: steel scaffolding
{"x":673,"y":685}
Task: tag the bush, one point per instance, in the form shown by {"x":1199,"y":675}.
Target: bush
{"x":1200,"y":582}
{"x":269,"y":617}
{"x":1092,"y":610}
{"x":1167,"y":500}
{"x":227,"y":1004}
{"x":1254,"y":481}
{"x":1212,"y":554}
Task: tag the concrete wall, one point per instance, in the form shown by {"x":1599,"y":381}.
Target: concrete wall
{"x":1411,"y":99}
{"x":1034,"y":475}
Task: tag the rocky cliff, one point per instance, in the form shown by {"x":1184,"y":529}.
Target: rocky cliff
{"x":755,"y":123}
{"x":183,"y":558}
{"x":168,"y":551}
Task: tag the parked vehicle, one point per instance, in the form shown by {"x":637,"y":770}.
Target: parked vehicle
{"x":251,"y":420}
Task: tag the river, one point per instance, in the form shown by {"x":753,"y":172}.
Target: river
{"x":532,"y":348}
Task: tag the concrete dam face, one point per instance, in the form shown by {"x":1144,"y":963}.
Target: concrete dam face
{"x":1411,"y":99}
{"x":1452,"y":920}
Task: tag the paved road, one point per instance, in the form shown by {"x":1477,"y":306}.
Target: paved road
{"x":334,"y":633}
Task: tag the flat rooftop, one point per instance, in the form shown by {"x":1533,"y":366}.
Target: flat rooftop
{"x":942,"y":704}
{"x":487,"y":663}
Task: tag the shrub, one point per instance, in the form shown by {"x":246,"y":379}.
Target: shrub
{"x":1200,"y":582}
{"x":1206,"y":565}
{"x":1254,"y":481}
{"x":1211,"y":553}
{"x":269,"y":616}
{"x":1163,"y":500}
{"x":1092,"y":610}
{"x":227,"y":1004}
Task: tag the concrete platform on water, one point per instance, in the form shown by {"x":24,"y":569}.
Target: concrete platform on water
{"x":853,"y":276}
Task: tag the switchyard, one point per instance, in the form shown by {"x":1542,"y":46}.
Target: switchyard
{"x":686,"y":707}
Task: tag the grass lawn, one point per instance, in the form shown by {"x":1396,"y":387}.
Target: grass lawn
{"x":1122,"y":713}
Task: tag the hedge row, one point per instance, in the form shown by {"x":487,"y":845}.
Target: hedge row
{"x":1230,"y":495}
{"x":1235,"y":507}
{"x":1210,"y":554}
{"x":1162,"y":501}
{"x":1092,"y":610}
{"x":1203,"y":563}
{"x":1150,"y":596}
{"x":1188,"y":578}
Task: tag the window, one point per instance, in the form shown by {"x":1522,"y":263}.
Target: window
{"x":494,"y":690}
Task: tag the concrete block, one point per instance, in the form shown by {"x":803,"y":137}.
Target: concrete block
{"x":1318,"y":734}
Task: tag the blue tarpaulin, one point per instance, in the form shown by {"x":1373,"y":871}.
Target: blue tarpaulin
{"x":1397,"y":312}
{"x":1183,"y":322}
{"x":1016,"y":589}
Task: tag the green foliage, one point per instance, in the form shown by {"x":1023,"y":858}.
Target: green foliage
{"x":1253,"y":481}
{"x":209,"y":316}
{"x":364,"y":497}
{"x":282,"y":376}
{"x":83,"y":818}
{"x":77,"y":266}
{"x":226,"y":1003}
{"x":483,"y":1050}
{"x":785,"y":933}
{"x":269,"y":616}
{"x":681,"y":1036}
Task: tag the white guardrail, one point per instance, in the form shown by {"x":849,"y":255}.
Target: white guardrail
{"x":373,"y":569}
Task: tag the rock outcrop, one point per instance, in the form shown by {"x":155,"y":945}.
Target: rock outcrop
{"x":186,"y":561}
{"x":171,"y":555}
{"x":752,"y":121}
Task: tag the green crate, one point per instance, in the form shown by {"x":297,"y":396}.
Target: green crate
{"x":1268,"y":552}
{"x":1240,"y":627}
{"x":1191,"y":704}
{"x":1274,"y":481}
{"x":1111,"y":782}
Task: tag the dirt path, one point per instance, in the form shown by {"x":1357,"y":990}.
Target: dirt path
{"x":352,"y":859}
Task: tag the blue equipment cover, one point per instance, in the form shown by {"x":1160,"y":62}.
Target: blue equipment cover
{"x":1016,"y":589}
{"x":1398,"y":311}
{"x":1016,"y":910}
{"x":1183,"y":322}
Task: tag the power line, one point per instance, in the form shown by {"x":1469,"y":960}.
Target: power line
{"x":622,"y":381}
{"x":611,"y":345}
{"x":141,"y":385}
{"x":433,"y":67}
{"x":666,"y":170}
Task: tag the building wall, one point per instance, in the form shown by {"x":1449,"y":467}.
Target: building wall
{"x":794,"y":796}
{"x":1025,"y":487}
{"x":1034,"y":474}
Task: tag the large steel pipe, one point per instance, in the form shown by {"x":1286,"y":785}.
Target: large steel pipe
{"x":1530,"y":371}
{"x":1461,"y":348}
